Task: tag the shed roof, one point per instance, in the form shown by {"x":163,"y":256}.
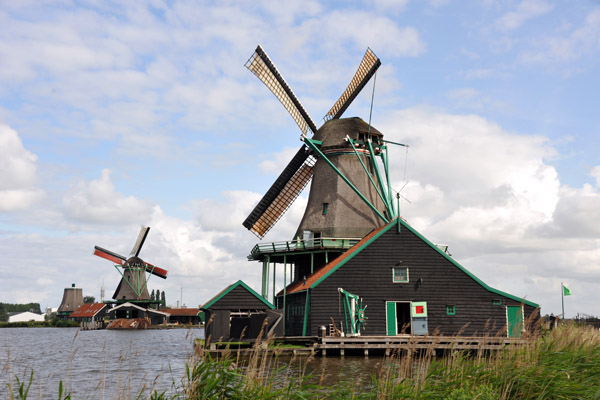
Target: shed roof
{"x":87,"y":310}
{"x":315,"y":279}
{"x":229,"y":288}
{"x":125,"y":305}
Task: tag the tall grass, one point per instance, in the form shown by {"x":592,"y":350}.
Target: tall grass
{"x":560,"y":364}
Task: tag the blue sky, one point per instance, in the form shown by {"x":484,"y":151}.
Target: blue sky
{"x":120,"y":114}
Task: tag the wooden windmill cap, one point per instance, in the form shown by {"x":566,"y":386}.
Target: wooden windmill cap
{"x":333,"y":132}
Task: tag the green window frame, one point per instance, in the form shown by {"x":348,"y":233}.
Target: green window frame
{"x":400,"y":274}
{"x":497,"y":302}
{"x":325,"y":208}
{"x":450,"y":309}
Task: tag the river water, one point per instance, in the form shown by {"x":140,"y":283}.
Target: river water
{"x":111,"y":364}
{"x":102,"y":364}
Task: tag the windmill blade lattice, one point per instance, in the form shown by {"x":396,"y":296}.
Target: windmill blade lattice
{"x":261,"y":65}
{"x":367,"y":68}
{"x":280,"y":196}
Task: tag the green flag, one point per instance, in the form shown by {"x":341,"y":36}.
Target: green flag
{"x":566,"y":291}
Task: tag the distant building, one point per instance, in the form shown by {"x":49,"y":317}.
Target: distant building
{"x":24,"y":317}
{"x":72,"y":298}
{"x":89,"y":312}
{"x":131,"y":311}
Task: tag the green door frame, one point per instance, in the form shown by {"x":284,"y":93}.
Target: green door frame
{"x":514,"y":321}
{"x":391,"y":323}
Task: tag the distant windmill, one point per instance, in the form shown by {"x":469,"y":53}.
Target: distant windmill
{"x":349,"y":196}
{"x":133,"y":284}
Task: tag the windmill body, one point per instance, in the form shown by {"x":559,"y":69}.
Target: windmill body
{"x":334,"y":210}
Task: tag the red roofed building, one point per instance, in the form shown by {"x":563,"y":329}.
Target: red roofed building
{"x":89,"y":312}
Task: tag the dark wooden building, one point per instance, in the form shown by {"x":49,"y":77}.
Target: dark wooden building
{"x":238,"y":312}
{"x":409,"y":286}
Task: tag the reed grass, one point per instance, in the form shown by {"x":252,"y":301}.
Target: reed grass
{"x":559,"y":364}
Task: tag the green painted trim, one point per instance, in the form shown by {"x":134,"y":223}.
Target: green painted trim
{"x":366,"y":170}
{"x":450,"y":310}
{"x":350,"y":256}
{"x":378,"y":175}
{"x":306,"y":305}
{"x":456,"y":264}
{"x":390,"y":195}
{"x":233,"y":286}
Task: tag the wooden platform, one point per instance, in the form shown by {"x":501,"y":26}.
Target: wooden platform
{"x":373,"y":345}
{"x":406,"y":343}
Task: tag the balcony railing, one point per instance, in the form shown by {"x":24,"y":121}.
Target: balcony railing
{"x":302,"y":245}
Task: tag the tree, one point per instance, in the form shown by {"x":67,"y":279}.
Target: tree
{"x":163,"y":300}
{"x":152,"y":295}
{"x":89,"y":299}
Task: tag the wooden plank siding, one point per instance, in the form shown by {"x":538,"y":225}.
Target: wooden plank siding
{"x":432,"y":278}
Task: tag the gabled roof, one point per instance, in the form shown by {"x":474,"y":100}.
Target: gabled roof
{"x":319,"y":276}
{"x":124,"y":305}
{"x":229,"y":288}
{"x":87,"y":310}
{"x":316,"y":278}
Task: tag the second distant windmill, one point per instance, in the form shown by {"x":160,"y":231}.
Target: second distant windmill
{"x":133,"y":286}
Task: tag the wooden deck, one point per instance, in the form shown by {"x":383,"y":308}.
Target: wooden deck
{"x":407,"y":344}
{"x":374,"y":345}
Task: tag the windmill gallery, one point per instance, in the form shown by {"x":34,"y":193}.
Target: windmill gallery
{"x":354,"y":267}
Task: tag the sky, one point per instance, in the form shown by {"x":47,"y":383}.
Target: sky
{"x":118,"y":114}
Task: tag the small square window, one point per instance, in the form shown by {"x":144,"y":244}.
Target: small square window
{"x":450,"y":310}
{"x":400,"y":275}
{"x":497,"y":302}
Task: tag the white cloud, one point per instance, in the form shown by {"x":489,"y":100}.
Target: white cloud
{"x":377,"y":32}
{"x":18,"y":173}
{"x":579,"y":42}
{"x":526,"y":10}
{"x":492,"y":196}
{"x":595,"y":173}
{"x":98,"y":202}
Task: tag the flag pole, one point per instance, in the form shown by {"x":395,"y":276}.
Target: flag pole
{"x":562,"y":297}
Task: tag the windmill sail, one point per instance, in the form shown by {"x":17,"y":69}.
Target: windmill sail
{"x":367,"y":68}
{"x":281,"y":195}
{"x":109,"y":255}
{"x":135,"y":251}
{"x":261,"y":65}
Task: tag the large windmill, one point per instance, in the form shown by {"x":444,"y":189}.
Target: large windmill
{"x":133,"y":285}
{"x":349,"y":195}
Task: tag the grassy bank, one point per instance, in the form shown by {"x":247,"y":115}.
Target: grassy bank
{"x":562,"y":364}
{"x":55,"y":323}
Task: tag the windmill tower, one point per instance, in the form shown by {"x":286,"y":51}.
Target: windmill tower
{"x":350,"y":194}
{"x":133,"y":284}
{"x":72,"y":298}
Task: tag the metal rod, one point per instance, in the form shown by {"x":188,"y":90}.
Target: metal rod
{"x":318,"y":151}
{"x":377,"y":173}
{"x":365,"y":168}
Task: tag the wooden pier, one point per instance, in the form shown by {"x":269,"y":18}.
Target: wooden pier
{"x":371,"y":345}
{"x":387,"y":345}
